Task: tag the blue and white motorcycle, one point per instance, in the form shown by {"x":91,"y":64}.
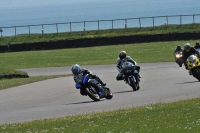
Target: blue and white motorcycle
{"x":131,"y":75}
{"x":93,"y":88}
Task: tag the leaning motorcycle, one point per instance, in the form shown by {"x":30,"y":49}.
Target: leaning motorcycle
{"x":131,"y":75}
{"x":193,"y":64}
{"x":93,"y":88}
{"x":178,"y":58}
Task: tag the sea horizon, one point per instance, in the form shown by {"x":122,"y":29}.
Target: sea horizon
{"x":37,"y":13}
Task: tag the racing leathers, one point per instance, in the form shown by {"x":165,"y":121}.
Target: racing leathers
{"x":119,"y":64}
{"x":82,"y":73}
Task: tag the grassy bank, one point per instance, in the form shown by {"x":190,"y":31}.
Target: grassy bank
{"x":26,"y":38}
{"x":178,"y":117}
{"x":141,"y":52}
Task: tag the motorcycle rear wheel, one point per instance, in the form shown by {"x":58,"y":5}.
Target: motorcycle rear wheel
{"x":93,"y":95}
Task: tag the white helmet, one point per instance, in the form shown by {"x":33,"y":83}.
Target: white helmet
{"x":76,"y":69}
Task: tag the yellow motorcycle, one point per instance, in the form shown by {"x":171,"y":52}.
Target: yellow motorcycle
{"x":193,"y":64}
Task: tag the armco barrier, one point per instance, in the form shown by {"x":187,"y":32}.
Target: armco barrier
{"x":99,"y":41}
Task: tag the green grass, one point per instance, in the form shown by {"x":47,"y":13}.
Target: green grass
{"x":10,"y":71}
{"x":177,"y":117}
{"x":141,"y":52}
{"x":26,"y":38}
{"x":8,"y":83}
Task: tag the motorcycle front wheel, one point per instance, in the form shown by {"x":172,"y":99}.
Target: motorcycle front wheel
{"x":132,"y":84}
{"x":196,"y":73}
{"x":109,"y":94}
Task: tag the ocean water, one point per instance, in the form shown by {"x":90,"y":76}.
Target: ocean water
{"x":34,"y":12}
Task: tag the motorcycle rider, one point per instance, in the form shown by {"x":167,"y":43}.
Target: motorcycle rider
{"x":123,"y":58}
{"x":178,"y":49}
{"x":188,"y":50}
{"x":197,"y":45}
{"x":76,"y":70}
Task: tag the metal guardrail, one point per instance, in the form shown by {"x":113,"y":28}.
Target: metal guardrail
{"x":100,"y":25}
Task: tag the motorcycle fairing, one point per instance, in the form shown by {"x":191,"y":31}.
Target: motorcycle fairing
{"x":97,"y":86}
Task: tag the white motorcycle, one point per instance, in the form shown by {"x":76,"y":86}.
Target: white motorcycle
{"x":179,"y":58}
{"x":130,"y":75}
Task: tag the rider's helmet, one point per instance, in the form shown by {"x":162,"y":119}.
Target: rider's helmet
{"x":76,"y":69}
{"x":122,"y":55}
{"x":178,"y":47}
{"x":187,"y":47}
{"x":197,"y":44}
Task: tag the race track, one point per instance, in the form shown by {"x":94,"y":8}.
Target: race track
{"x":160,"y":82}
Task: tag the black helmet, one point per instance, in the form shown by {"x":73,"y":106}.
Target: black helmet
{"x":197,"y":43}
{"x":75,"y":69}
{"x":187,"y":47}
{"x":178,"y":47}
{"x":122,"y":55}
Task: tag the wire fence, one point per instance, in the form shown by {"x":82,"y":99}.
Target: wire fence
{"x":100,"y":25}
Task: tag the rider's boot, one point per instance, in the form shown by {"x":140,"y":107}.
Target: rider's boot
{"x":190,"y":73}
{"x":101,"y":82}
{"x":82,"y":93}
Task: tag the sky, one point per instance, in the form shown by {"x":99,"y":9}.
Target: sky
{"x":28,"y":3}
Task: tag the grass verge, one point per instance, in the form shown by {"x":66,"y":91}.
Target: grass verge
{"x":10,"y":73}
{"x":8,"y":83}
{"x":177,"y":117}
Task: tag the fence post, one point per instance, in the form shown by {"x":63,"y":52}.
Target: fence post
{"x":57,"y":28}
{"x":125,"y":23}
{"x":42,"y":29}
{"x":166,"y":21}
{"x":29,"y":30}
{"x":84,"y":27}
{"x":70,"y":26}
{"x":98,"y":24}
{"x":180,"y":19}
{"x":153,"y":21}
{"x":193,"y":19}
{"x":15,"y":31}
{"x":112,"y":24}
{"x":1,"y":32}
{"x":139,"y":22}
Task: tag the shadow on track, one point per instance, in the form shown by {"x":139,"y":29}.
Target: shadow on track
{"x":188,"y":82}
{"x":123,"y":92}
{"x":85,"y":102}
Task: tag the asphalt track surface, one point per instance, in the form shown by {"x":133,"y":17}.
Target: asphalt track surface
{"x":160,"y":82}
